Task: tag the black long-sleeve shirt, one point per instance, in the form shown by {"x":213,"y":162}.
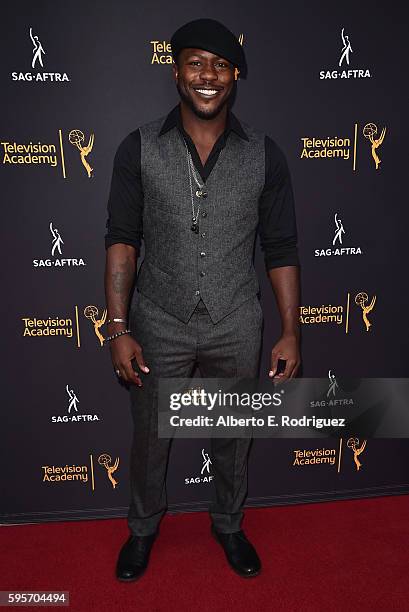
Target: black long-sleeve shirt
{"x":277,"y":224}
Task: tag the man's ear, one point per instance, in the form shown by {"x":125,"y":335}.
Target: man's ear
{"x":175,"y":70}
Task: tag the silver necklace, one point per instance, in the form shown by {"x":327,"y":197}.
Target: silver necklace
{"x":200,"y":191}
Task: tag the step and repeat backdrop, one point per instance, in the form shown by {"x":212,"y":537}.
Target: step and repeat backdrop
{"x":328,"y":83}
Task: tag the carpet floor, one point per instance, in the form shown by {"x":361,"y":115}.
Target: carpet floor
{"x":333,"y":556}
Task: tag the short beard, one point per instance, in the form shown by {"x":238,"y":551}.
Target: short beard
{"x":207,"y":116}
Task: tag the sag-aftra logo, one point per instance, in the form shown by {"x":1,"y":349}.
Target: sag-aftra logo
{"x":205,"y":475}
{"x":37,"y":61}
{"x":56,"y":259}
{"x":346,"y":67}
{"x":73,"y":412}
{"x":338,"y":248}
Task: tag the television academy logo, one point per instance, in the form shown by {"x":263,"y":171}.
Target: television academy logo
{"x":83,"y":473}
{"x":344,"y":71}
{"x":37,"y":62}
{"x":344,"y":147}
{"x":56,"y":249}
{"x":302,"y":457}
{"x":161,"y":52}
{"x":34,"y":327}
{"x":310,"y":457}
{"x":68,"y":327}
{"x":49,"y":154}
{"x":337,"y":244}
{"x":338,"y":314}
{"x":73,"y":415}
{"x":57,"y":474}
{"x":203,"y":478}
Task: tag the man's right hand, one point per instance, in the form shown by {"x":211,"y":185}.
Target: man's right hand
{"x":123,"y":350}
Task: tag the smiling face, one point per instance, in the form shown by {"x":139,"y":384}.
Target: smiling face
{"x":204,"y":81}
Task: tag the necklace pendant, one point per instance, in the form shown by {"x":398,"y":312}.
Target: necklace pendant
{"x":194,"y":227}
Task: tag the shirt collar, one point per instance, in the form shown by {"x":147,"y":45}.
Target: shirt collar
{"x":174,"y":120}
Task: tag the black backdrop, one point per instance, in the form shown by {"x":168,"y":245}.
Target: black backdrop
{"x":57,"y":460}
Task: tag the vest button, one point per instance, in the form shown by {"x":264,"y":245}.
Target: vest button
{"x":203,"y":234}
{"x":204,"y":214}
{"x":202,"y":254}
{"x":202,"y":273}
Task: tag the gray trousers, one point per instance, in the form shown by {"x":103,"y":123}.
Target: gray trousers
{"x":171,"y":348}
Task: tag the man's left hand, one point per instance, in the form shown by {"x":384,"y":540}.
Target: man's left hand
{"x":287,"y":348}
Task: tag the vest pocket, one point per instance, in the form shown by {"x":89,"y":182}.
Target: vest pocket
{"x":159,"y":207}
{"x":158,"y":268}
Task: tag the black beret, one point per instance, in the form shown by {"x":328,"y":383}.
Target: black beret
{"x":210,"y":35}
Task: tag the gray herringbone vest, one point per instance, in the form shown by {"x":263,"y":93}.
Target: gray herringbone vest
{"x":180,"y":266}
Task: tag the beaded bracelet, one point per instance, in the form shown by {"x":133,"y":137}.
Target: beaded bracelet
{"x":120,"y":333}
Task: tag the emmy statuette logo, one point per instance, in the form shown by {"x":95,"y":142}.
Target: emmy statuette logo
{"x":77,"y":138}
{"x":361,"y":299}
{"x":353,"y":444}
{"x":236,"y":70}
{"x":91,"y":313}
{"x":105,"y":461}
{"x":369,"y":131}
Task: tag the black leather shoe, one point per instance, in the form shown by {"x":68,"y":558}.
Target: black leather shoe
{"x":134,"y":557}
{"x":240,"y":553}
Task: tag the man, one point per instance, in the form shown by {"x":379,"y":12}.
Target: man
{"x":196,"y":186}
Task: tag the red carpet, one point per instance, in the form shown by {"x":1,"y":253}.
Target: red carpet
{"x":347,"y":555}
